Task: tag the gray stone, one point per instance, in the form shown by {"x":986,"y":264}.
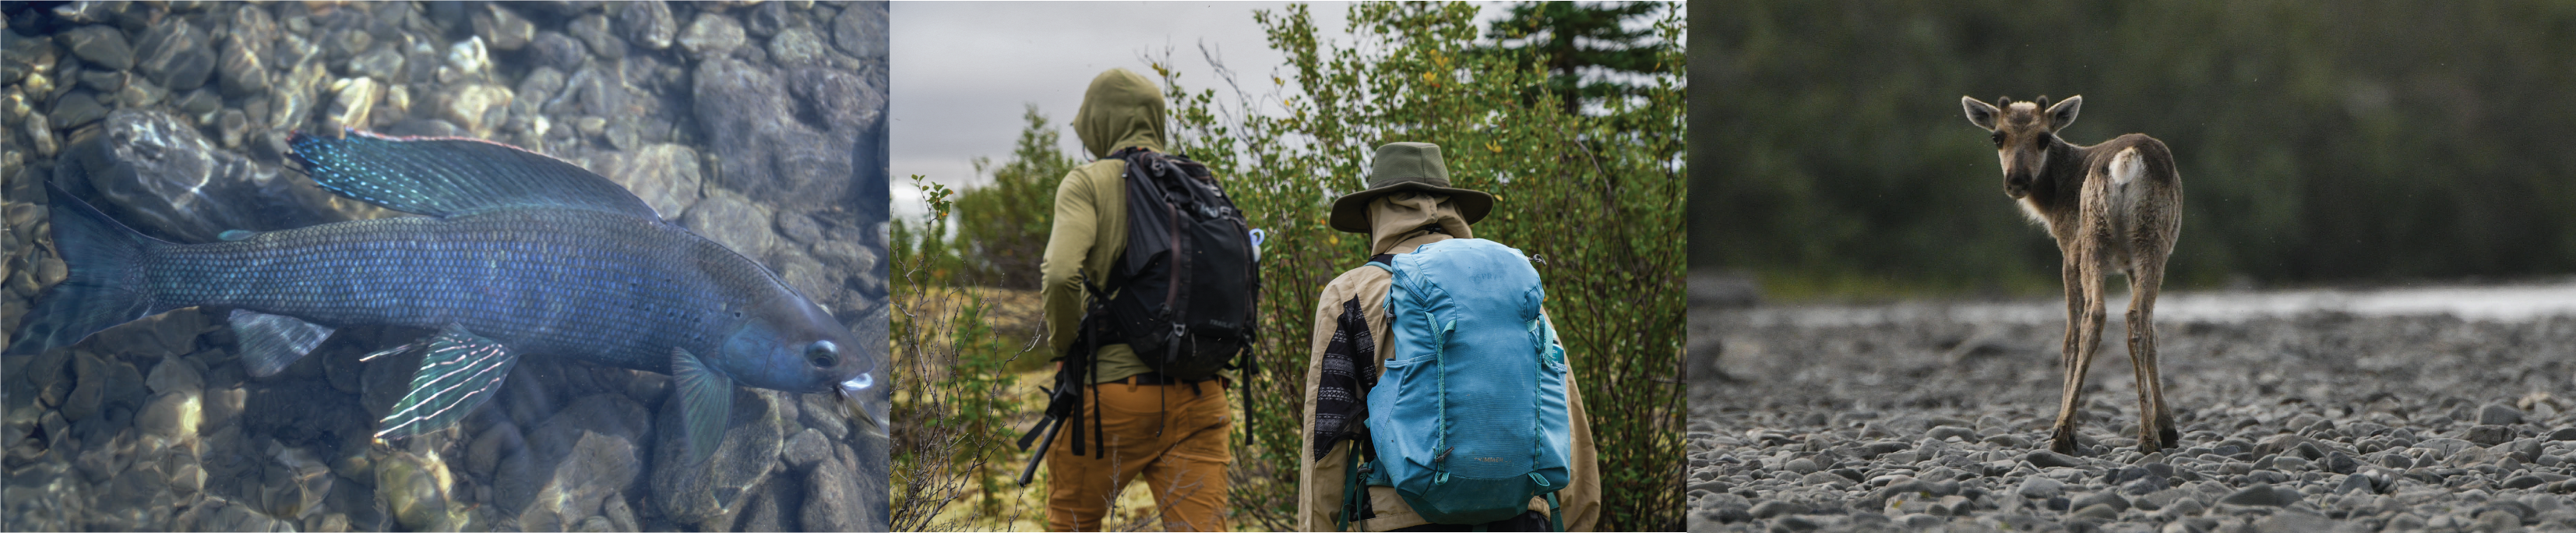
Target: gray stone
{"x":2046,"y":459}
{"x":734,"y":222}
{"x":711,"y":35}
{"x":166,"y":180}
{"x":698,"y":493}
{"x":666,"y":176}
{"x":2562,"y":434}
{"x":478,"y":108}
{"x":382,"y":62}
{"x":2258,"y":494}
{"x":649,"y":24}
{"x":2039,"y":487}
{"x":861,"y":30}
{"x":77,"y":109}
{"x":502,"y":28}
{"x":1801,"y":465}
{"x":2106,"y":498}
{"x":1773,"y":508}
{"x":175,"y":54}
{"x":554,"y":49}
{"x":806,"y":449}
{"x":593,"y":29}
{"x":798,"y":46}
{"x":101,"y":45}
{"x":2490,"y":435}
{"x":2497,"y":414}
{"x":1946,"y":432}
{"x":768,"y":155}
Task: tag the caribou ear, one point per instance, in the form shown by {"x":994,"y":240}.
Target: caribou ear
{"x":1979,"y":113}
{"x":2064,"y":112}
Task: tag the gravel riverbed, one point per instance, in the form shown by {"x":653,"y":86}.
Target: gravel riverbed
{"x":1925,"y":417}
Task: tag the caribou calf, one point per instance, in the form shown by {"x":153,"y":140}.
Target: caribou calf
{"x":2113,"y":207}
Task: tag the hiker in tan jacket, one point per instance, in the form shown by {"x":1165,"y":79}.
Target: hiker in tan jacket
{"x":1408,"y":204}
{"x":1170,"y":432}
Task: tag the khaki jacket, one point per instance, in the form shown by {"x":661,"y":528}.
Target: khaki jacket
{"x":1402,"y":223}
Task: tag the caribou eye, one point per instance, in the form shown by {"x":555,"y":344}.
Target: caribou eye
{"x":1999,"y":139}
{"x":822,"y":353}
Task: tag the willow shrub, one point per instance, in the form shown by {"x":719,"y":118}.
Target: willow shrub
{"x":1597,"y":196}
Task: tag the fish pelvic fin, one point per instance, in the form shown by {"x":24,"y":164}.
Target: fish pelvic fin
{"x":455,"y":176}
{"x":104,"y":287}
{"x":706,"y":403}
{"x":460,"y":372}
{"x":271,"y":342}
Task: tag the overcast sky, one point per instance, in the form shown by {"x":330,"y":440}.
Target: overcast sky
{"x":962,"y":72}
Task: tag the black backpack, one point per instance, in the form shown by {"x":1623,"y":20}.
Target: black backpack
{"x":1186,"y":286}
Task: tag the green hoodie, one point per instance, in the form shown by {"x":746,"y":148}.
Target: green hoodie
{"x":1121,"y":110}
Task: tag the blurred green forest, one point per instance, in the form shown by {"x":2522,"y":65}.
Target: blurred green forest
{"x":2319,"y":142}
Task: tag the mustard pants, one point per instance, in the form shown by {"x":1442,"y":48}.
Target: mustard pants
{"x":1173,"y":435}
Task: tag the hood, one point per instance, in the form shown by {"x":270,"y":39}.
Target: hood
{"x":1121,"y":109}
{"x":1404,"y":216}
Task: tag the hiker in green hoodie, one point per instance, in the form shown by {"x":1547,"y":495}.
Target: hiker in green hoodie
{"x":1171,"y":431}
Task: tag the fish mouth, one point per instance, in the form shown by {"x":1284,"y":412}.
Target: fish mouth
{"x":855,"y":395}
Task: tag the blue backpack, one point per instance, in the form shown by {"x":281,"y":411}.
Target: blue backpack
{"x":1470,"y":420}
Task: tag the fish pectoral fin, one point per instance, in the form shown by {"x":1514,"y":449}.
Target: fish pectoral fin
{"x":706,"y":398}
{"x":269,"y":343}
{"x":460,"y":371}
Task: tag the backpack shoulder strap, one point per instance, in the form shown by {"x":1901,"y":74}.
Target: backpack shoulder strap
{"x":1383,"y":261}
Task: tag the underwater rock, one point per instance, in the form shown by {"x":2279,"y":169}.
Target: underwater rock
{"x":836,"y":501}
{"x":171,"y":415}
{"x":763,"y":150}
{"x":860,"y":30}
{"x":504,"y":29}
{"x":102,"y":45}
{"x":772,"y":506}
{"x":77,"y":109}
{"x":593,"y":30}
{"x":478,"y":108}
{"x":596,"y":468}
{"x":216,"y":513}
{"x":176,"y":375}
{"x":356,"y":97}
{"x":382,"y":62}
{"x":711,"y":35}
{"x":484,"y":455}
{"x":573,"y":460}
{"x":798,"y":46}
{"x":733,"y":221}
{"x":648,"y":23}
{"x":665,"y":175}
{"x":697,"y":493}
{"x":556,"y":50}
{"x":174,"y":54}
{"x":415,"y":490}
{"x":158,"y":175}
{"x":807,"y":448}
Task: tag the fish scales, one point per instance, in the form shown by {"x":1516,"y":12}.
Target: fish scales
{"x":607,"y":288}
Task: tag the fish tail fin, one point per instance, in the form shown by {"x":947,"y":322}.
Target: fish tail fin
{"x":103,"y":288}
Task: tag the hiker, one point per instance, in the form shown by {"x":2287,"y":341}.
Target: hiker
{"x":1143,"y":339}
{"x":1409,"y":207}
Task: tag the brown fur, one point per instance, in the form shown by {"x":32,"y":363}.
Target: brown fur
{"x":2102,"y":227}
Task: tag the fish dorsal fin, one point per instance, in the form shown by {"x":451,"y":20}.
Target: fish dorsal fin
{"x":271,"y":342}
{"x":446,"y":176}
{"x":706,"y":402}
{"x":459,"y":373}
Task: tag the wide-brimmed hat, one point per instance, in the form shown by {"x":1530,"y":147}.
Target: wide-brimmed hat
{"x":1402,"y":167}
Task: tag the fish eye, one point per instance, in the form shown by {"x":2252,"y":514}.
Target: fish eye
{"x":822,"y":353}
